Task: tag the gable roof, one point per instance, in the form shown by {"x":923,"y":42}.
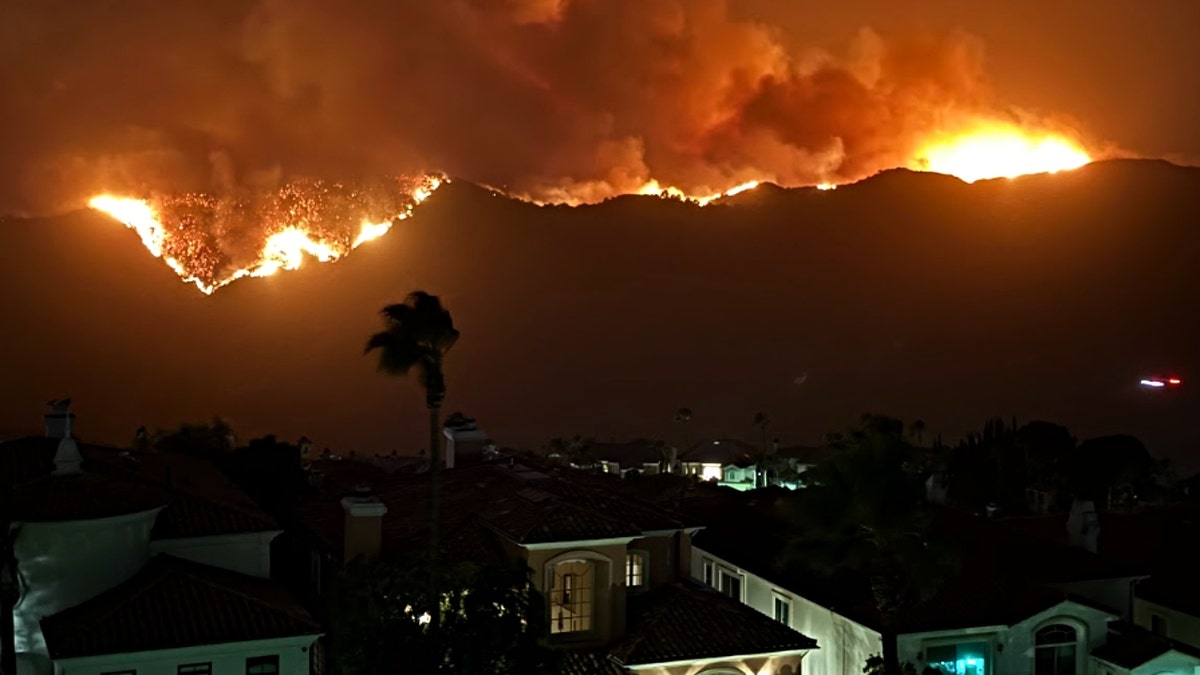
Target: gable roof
{"x":189,"y":515}
{"x":688,"y":622}
{"x":173,"y":603}
{"x":590,"y":662}
{"x":1178,"y":592}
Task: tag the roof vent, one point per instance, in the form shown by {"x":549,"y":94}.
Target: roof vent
{"x":67,"y":459}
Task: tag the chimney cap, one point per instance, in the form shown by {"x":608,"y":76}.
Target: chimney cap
{"x":363,"y":507}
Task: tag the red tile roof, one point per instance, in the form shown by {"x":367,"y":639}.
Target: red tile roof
{"x":173,"y":603}
{"x":525,"y":503}
{"x":688,"y":622}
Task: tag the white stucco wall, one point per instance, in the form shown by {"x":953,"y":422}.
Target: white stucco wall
{"x":1171,"y":663}
{"x":248,"y":553}
{"x":1011,"y":647}
{"x":843,"y":646}
{"x":226,"y":659}
{"x":64,"y":563}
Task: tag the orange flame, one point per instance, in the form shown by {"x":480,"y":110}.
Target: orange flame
{"x":999,"y":151}
{"x":285,"y":249}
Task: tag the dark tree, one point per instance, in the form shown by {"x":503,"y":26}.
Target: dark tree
{"x":493,"y":620}
{"x":864,"y":512}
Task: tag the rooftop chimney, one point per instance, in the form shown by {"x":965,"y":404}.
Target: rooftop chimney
{"x":67,"y":459}
{"x":465,"y":442}
{"x":364,"y":524}
{"x":59,"y":420}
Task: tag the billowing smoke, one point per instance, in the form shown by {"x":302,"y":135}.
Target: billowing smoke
{"x":554,"y":99}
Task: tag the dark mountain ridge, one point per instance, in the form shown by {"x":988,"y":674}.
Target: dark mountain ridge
{"x":908,"y":293}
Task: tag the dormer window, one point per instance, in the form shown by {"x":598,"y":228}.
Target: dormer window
{"x":635,"y":569}
{"x":572,"y":597}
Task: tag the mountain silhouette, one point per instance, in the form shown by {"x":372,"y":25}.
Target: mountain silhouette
{"x":911,"y":294}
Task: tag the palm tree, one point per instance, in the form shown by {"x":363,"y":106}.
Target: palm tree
{"x":416,"y":337}
{"x":684,"y":416}
{"x":762,"y":421}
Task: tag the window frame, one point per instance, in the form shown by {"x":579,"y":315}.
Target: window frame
{"x":643,"y":571}
{"x":265,"y":658}
{"x":564,"y":595}
{"x":723,"y":570}
{"x":708,"y":572}
{"x":989,"y":639}
{"x":204,"y":668}
{"x":1080,"y":631}
{"x":777,"y":597}
{"x":1158,"y":624}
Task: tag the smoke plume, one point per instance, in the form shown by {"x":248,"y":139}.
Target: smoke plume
{"x":552,"y":99}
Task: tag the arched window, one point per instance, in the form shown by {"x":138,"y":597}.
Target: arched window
{"x":572,"y":596}
{"x":1055,"y":650}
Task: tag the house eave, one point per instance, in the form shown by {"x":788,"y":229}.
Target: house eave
{"x":720,"y":659}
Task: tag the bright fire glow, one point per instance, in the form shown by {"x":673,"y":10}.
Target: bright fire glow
{"x":999,"y":151}
{"x":286,"y":245}
{"x":1175,"y":380}
{"x":653,"y":188}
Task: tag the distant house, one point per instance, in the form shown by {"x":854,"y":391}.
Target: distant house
{"x":641,"y":456}
{"x":613,"y":569}
{"x":136,"y":564}
{"x":1168,"y":605}
{"x":727,"y":462}
{"x":1017,"y":604}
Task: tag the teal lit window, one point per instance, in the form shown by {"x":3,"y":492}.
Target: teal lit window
{"x":968,"y":658}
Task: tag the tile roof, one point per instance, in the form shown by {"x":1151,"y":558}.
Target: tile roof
{"x":524,"y":502}
{"x":591,"y":662}
{"x":687,"y":622}
{"x":189,"y":515}
{"x":724,"y":452}
{"x":101,"y":491}
{"x":173,"y":603}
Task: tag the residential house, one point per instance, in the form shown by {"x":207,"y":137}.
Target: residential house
{"x":727,"y":462}
{"x":614,"y":570}
{"x":640,"y":456}
{"x":1168,"y":605}
{"x":106,"y":544}
{"x":1015,"y":605}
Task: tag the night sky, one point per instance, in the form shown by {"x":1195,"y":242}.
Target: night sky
{"x":914,"y":295}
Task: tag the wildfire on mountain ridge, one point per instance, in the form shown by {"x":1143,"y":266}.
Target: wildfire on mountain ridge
{"x":211,"y":242}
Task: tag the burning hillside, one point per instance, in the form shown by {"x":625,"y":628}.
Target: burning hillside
{"x":211,"y":242}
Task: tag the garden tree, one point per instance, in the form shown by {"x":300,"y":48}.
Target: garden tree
{"x":1103,"y":468}
{"x":417,"y":335}
{"x":917,"y":429}
{"x":270,"y":471}
{"x":874,"y":666}
{"x":864,"y":512}
{"x":683,"y":417}
{"x":1045,"y":449}
{"x":492,"y":620}
{"x":213,"y":440}
{"x":763,"y":422}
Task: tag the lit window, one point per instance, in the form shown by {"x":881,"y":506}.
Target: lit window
{"x":710,"y":578}
{"x":730,"y":584}
{"x":710,"y":472}
{"x":571,"y":597}
{"x":262,"y":665}
{"x":1054,"y":649}
{"x":635,"y":569}
{"x":195,"y":669}
{"x":960,"y":659}
{"x":783,"y":610}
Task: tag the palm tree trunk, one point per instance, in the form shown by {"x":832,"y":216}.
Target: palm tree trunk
{"x":891,"y":653}
{"x":435,"y":509}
